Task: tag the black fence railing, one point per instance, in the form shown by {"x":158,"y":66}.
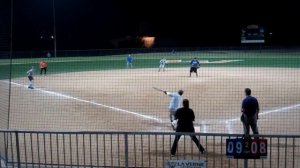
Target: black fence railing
{"x":132,"y":149}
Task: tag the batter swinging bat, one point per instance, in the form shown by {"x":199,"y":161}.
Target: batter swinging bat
{"x":160,"y":90}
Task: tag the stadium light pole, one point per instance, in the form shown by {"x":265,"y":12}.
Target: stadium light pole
{"x":10,"y":59}
{"x":54,"y":27}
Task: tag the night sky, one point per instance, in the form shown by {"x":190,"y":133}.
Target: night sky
{"x":95,"y":24}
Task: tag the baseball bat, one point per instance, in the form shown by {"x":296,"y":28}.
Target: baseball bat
{"x":160,"y":90}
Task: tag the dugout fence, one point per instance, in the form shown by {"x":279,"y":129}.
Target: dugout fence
{"x":131,"y":149}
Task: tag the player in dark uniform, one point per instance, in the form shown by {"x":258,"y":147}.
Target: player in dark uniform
{"x":185,"y":117}
{"x":195,"y":64}
{"x":250,"y":109}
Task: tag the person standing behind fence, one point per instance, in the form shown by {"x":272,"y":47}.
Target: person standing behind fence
{"x":43,"y":67}
{"x":185,"y":117}
{"x":30,"y":73}
{"x":129,"y":61}
{"x":250,"y":110}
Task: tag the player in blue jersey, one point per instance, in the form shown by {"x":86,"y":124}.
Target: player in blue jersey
{"x":195,"y":64}
{"x":129,"y":61}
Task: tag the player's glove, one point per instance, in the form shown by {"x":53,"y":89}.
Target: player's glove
{"x":165,"y":92}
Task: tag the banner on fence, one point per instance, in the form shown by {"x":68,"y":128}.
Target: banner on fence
{"x":186,"y":164}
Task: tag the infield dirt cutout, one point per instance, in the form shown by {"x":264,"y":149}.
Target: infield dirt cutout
{"x":124,"y":100}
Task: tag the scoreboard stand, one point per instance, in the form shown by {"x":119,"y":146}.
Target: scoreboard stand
{"x":246,"y":148}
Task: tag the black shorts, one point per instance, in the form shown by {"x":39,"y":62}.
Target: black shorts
{"x":194,"y":69}
{"x":30,"y":78}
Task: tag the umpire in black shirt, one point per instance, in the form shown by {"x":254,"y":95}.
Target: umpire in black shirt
{"x":250,"y":109}
{"x":185,"y":117}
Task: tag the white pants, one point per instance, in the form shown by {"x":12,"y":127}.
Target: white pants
{"x":161,"y":67}
{"x":172,"y":114}
{"x":129,"y":64}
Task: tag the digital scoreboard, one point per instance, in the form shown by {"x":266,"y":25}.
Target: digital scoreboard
{"x":246,"y":148}
{"x":253,"y":34}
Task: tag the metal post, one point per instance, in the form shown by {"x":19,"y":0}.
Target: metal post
{"x":126,"y":149}
{"x":245,"y":163}
{"x":6,"y":147}
{"x":54,"y":27}
{"x":10,"y":61}
{"x":18,"y":149}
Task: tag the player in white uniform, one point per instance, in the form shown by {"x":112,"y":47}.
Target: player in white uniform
{"x":162,"y":64}
{"x":174,"y":105}
{"x":30,"y":73}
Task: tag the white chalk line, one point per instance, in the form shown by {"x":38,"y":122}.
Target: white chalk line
{"x":90,"y":102}
{"x":216,"y":62}
{"x":279,"y":110}
{"x":97,"y":59}
{"x":229,"y":122}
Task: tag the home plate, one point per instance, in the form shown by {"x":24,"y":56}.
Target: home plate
{"x":197,"y":129}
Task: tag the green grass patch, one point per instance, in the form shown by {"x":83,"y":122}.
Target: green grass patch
{"x":150,"y":60}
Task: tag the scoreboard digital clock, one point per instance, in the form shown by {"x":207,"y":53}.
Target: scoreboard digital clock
{"x":246,"y":148}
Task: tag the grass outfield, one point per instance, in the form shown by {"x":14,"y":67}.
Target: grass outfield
{"x":151,"y":60}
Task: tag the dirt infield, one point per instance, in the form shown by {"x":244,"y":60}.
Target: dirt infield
{"x":124,"y":100}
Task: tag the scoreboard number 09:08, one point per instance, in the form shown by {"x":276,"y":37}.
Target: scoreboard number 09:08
{"x":241,"y":148}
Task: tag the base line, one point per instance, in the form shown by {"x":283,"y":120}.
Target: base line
{"x":90,"y":102}
{"x":279,"y":110}
{"x":229,"y":122}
